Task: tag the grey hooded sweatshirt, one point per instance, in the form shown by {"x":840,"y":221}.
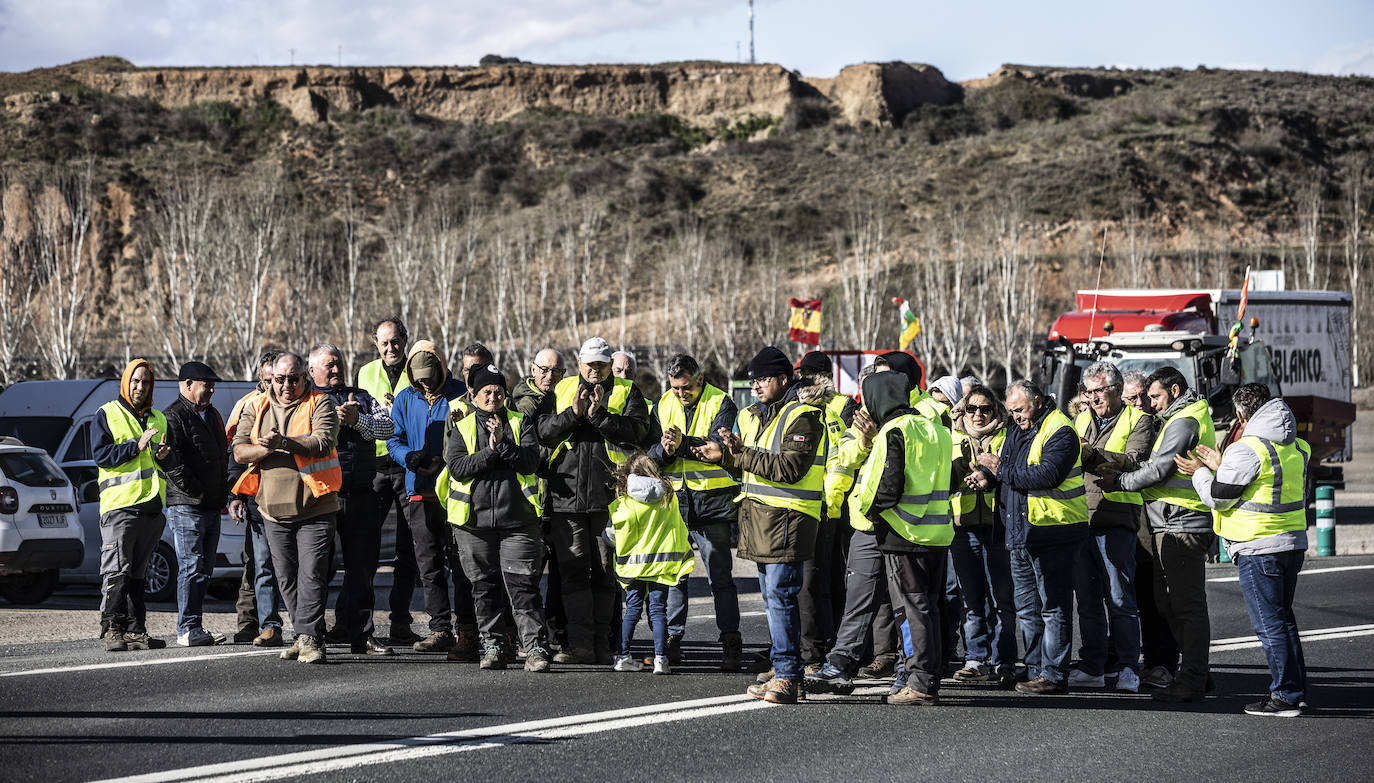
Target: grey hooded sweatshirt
{"x":1239,"y":466}
{"x":1180,"y":436}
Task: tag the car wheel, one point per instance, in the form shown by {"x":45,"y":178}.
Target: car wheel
{"x":31,"y":588}
{"x":161,"y":584}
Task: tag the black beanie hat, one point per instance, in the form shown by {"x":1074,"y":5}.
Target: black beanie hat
{"x":905,"y":363}
{"x":815,"y":363}
{"x":768,"y":363}
{"x":485,"y":375}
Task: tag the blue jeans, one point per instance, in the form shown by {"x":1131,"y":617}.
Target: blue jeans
{"x":658,"y":615}
{"x":713,"y":542}
{"x":781,"y":585}
{"x":1268,"y":583}
{"x":1043,"y":579}
{"x":265,"y":589}
{"x":1106,"y":573}
{"x":984,"y":570}
{"x":196,"y":536}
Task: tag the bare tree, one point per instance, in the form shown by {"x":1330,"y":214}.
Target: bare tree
{"x":62,"y":223}
{"x":1016,"y":289}
{"x":254,"y":218}
{"x":350,"y":271}
{"x":16,"y":280}
{"x":942,"y":283}
{"x":454,"y":243}
{"x":1310,"y":229}
{"x":868,"y":270}
{"x":1354,"y":206}
{"x":1135,"y":229}
{"x":180,"y":275}
{"x":405,"y":246}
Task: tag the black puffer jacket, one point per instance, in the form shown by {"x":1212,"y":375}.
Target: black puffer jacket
{"x":357,"y":455}
{"x":580,"y":476}
{"x":201,"y":476}
{"x":497,"y":501}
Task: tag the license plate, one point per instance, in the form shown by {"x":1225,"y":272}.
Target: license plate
{"x":52,"y":520}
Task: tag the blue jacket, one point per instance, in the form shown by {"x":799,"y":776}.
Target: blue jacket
{"x":419,"y":433}
{"x":1017,"y":478}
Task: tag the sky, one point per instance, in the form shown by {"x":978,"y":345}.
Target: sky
{"x":964,"y":40}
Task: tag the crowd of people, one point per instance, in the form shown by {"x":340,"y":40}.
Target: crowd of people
{"x":928,"y":524}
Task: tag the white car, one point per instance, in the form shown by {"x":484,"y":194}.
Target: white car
{"x":40,"y":529}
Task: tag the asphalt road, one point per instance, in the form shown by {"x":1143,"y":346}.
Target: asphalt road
{"x":72,"y":712}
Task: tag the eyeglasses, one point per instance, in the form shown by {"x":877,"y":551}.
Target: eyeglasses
{"x":557,"y":372}
{"x":986,"y":410}
{"x":282,"y":380}
{"x":762,"y":381}
{"x":1098,"y":392}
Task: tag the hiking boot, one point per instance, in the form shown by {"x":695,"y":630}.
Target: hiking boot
{"x":661,"y":665}
{"x":777,"y":691}
{"x":1157,"y":677}
{"x":336,"y":635}
{"x":114,"y":641}
{"x":575,"y":655}
{"x":492,"y":657}
{"x":1081,"y":679}
{"x":877,"y":669}
{"x":625,"y":663}
{"x":909,"y":695}
{"x":974,"y":671}
{"x":311,"y":650}
{"x":830,"y":679}
{"x":537,"y":660}
{"x":465,"y":647}
{"x":1178,"y":693}
{"x":1274,"y":707}
{"x":1043,"y":686}
{"x":270,"y":637}
{"x":1127,"y":681}
{"x":401,"y":634}
{"x":290,"y":653}
{"x":1006,"y":677}
{"x":245,"y":635}
{"x":732,"y":646}
{"x":439,"y":641}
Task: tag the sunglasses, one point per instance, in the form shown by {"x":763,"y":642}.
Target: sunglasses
{"x":986,"y":410}
{"x":293,"y":378}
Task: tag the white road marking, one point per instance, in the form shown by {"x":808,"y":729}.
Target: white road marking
{"x":1314,"y":635}
{"x":145,"y":662}
{"x":408,"y":749}
{"x":1303,"y":572}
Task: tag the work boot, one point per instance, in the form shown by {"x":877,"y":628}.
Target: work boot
{"x":732,"y":646}
{"x":311,"y":650}
{"x":401,"y":634}
{"x":139,"y":640}
{"x":1178,"y":693}
{"x":492,"y":657}
{"x":575,"y":655}
{"x":764,"y":677}
{"x":246,"y":634}
{"x":439,"y":641}
{"x":974,"y":671}
{"x":909,"y":695}
{"x":270,"y":637}
{"x":537,"y":660}
{"x":464,"y":647}
{"x":370,"y":646}
{"x":877,"y":669}
{"x":1043,"y":685}
{"x":114,"y":641}
{"x":336,"y":635}
{"x":777,"y":691}
{"x":290,"y":653}
{"x":674,"y":649}
{"x":830,"y":679}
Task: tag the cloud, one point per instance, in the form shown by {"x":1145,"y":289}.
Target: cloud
{"x":1347,"y":60}
{"x":371,"y":32}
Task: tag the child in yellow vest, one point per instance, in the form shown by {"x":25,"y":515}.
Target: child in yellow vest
{"x":652,"y":553}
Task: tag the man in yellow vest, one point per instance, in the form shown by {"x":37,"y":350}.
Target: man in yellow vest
{"x":1259,"y":491}
{"x":287,"y":439}
{"x":592,"y":422}
{"x":129,"y":443}
{"x":781,"y":451}
{"x":1180,"y":539}
{"x":384,"y":378}
{"x":1114,"y":436}
{"x":1043,"y":505}
{"x":691,"y":412}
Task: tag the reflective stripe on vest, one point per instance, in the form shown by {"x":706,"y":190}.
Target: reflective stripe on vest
{"x":1177,"y":489}
{"x":457,"y":495}
{"x":839,"y":478}
{"x":564,"y":395}
{"x":1116,"y":444}
{"x":806,"y":495}
{"x":698,"y":476}
{"x":1067,"y":503}
{"x":372,"y":378}
{"x":1276,"y":500}
{"x":321,"y":475}
{"x":963,"y":500}
{"x":922,"y":514}
{"x":139,"y":479}
{"x":650,"y":541}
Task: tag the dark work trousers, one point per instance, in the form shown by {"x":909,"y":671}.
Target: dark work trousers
{"x":554,"y":618}
{"x":951,"y":612}
{"x":127,"y":541}
{"x":1157,"y":644}
{"x":838,"y":566}
{"x":435,"y":555}
{"x":915,"y":581}
{"x":360,"y":539}
{"x":246,"y":606}
{"x":501,"y":563}
{"x":865,"y":591}
{"x":300,"y":553}
{"x":589,"y":589}
{"x":389,"y":486}
{"x":1180,"y":586}
{"x":817,"y":616}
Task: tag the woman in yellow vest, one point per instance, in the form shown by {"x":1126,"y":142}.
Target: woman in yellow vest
{"x":492,"y":499}
{"x":652,"y":553}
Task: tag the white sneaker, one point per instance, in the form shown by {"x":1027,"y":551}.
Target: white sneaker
{"x":1157,"y":677}
{"x":661,"y":665}
{"x":625,"y":663}
{"x":1077,"y":679}
{"x":199,"y":637}
{"x":1128,"y":681}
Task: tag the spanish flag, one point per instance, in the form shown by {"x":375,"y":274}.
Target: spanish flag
{"x":805,"y":324}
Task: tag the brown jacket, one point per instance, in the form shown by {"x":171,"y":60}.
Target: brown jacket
{"x":1097,"y":462}
{"x":282,"y":496}
{"x":774,"y":535}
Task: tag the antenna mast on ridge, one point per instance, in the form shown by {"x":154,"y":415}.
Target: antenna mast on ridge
{"x":751,"y":32}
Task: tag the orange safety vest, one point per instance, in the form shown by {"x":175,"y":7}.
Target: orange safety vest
{"x":231,"y":424}
{"x":321,"y":474}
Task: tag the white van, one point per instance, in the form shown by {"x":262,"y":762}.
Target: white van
{"x":56,"y":417}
